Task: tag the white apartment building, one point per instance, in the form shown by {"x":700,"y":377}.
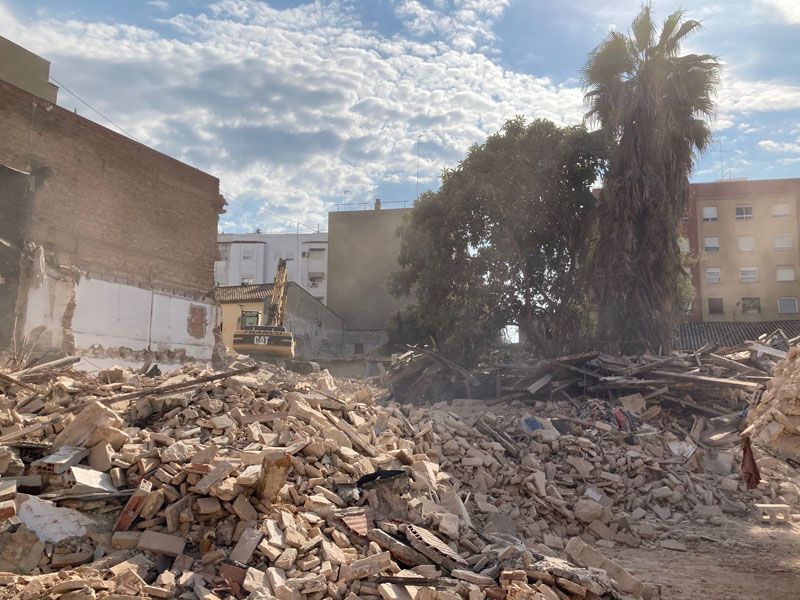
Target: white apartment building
{"x":253,"y":258}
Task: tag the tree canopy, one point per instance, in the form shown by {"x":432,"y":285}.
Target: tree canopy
{"x":654,"y":103}
{"x":502,"y":242}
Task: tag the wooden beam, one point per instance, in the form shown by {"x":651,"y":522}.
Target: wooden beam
{"x":53,"y":364}
{"x":704,"y":379}
{"x":768,"y":350}
{"x":157,"y":391}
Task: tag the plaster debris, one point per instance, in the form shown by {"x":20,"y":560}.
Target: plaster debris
{"x":263,"y":483}
{"x":50,"y":522}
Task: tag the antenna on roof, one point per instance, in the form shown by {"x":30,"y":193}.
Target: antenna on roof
{"x":723,"y":174}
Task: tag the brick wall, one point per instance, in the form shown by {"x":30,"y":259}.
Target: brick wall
{"x":13,"y":216}
{"x":107,"y":204}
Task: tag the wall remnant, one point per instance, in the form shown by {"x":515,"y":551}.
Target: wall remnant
{"x":121,"y":238}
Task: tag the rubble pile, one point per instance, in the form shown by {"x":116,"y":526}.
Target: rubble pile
{"x":774,"y":422}
{"x":546,"y":479}
{"x":422,"y":376}
{"x":259,"y":483}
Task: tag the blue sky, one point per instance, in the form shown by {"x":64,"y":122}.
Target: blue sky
{"x":298,"y":106}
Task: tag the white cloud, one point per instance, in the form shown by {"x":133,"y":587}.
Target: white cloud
{"x":159,"y":4}
{"x":292,"y":107}
{"x":789,"y":10}
{"x":463,"y":23}
{"x":739,"y":95}
{"x":289,"y":107}
{"x":780,"y":147}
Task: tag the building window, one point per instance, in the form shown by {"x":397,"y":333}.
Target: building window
{"x":685,"y":218}
{"x":751,"y":305}
{"x":709,"y":213}
{"x":748,"y":274}
{"x":683,"y":244}
{"x":358,"y":348}
{"x":248,"y":279}
{"x":713,"y":274}
{"x":715,"y":306}
{"x":782,"y":242}
{"x":780,"y":211}
{"x":787,"y":306}
{"x":744,"y":213}
{"x":746,"y":243}
{"x":784,"y":273}
{"x":248,"y":253}
{"x":711,"y":243}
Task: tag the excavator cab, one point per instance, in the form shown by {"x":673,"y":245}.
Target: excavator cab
{"x":270,"y":340}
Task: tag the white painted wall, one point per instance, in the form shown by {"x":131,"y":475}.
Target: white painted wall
{"x":243,"y":257}
{"x":115,"y":315}
{"x":306,"y":253}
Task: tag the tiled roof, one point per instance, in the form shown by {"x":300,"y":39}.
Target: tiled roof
{"x":243,"y":293}
{"x":692,"y":335}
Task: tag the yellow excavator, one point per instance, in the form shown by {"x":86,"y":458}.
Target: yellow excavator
{"x":271,"y":339}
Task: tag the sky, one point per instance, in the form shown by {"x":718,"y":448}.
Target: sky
{"x":304,"y":107}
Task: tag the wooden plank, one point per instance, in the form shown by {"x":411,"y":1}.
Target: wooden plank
{"x":539,"y":383}
{"x":652,"y":365}
{"x":54,"y":364}
{"x":654,"y":393}
{"x":761,"y":349}
{"x":624,"y":382}
{"x":705,"y":379}
{"x":17,"y":382}
{"x":723,"y":361}
{"x":561,"y":365}
{"x":26,"y":430}
{"x":156,"y":391}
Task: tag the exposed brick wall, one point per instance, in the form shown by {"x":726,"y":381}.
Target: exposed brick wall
{"x":107,"y":204}
{"x":13,"y":217}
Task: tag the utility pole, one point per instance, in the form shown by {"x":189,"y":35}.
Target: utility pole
{"x":418,"y":138}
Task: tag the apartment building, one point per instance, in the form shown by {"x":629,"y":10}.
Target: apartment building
{"x":747,"y":237}
{"x":252,"y":258}
{"x":364,"y":250}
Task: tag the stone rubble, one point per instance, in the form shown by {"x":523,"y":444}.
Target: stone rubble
{"x":278,"y":485}
{"x":774,"y":422}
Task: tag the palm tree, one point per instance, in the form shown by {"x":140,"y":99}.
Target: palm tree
{"x":655,"y":105}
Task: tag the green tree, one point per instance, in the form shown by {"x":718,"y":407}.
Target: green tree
{"x":654,"y":103}
{"x":501,"y":243}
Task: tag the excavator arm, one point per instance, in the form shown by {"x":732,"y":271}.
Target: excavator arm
{"x":277,"y":307}
{"x":271,"y":339}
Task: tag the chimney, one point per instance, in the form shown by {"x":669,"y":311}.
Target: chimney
{"x":377,"y":203}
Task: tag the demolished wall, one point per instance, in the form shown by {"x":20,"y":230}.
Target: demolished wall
{"x":13,"y":216}
{"x":774,"y":422}
{"x":108,"y":204}
{"x":317,"y":330}
{"x":120,"y":239}
{"x":90,"y":316}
